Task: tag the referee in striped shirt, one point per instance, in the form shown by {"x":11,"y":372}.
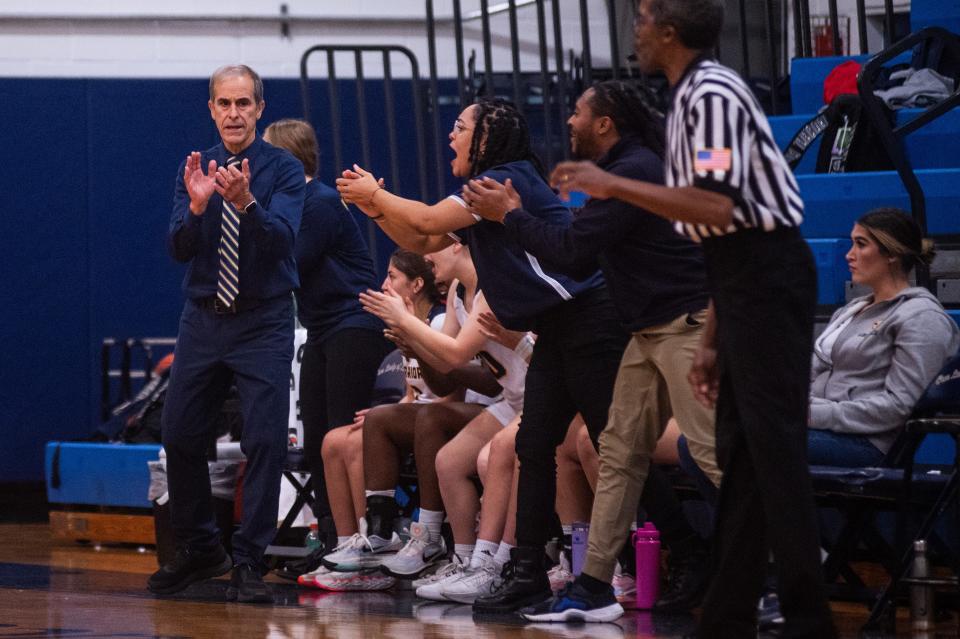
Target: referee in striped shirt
{"x":729,"y":188}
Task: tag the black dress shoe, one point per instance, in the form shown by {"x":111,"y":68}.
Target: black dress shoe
{"x":687,"y":579}
{"x":246,"y":586}
{"x":523,"y":583}
{"x":187,"y":567}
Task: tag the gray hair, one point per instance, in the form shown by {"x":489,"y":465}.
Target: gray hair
{"x":697,"y":22}
{"x":235,"y":70}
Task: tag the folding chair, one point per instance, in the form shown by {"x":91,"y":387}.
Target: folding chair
{"x":894,"y":486}
{"x":883,"y":613}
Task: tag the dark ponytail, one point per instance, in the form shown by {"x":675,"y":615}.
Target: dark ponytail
{"x":414,"y":265}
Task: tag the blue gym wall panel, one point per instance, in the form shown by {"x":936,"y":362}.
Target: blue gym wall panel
{"x":45,"y":265}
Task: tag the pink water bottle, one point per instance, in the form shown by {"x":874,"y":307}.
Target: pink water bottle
{"x":646,"y":541}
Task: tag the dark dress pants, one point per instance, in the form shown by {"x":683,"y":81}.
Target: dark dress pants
{"x":764,"y":291}
{"x":254,"y":349}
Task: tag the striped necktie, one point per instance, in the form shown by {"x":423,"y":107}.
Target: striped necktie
{"x":228,"y":278}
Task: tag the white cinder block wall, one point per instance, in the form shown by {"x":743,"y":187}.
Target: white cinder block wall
{"x":188,"y":38}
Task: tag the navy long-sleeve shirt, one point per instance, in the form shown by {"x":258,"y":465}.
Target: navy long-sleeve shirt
{"x":515,"y":284}
{"x":267,"y":231}
{"x":334,"y":266}
{"x":654,"y":274}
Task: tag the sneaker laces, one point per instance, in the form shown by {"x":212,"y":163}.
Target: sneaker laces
{"x":559,"y":571}
{"x":414,"y":545}
{"x":355,"y":542}
{"x":486,"y":570}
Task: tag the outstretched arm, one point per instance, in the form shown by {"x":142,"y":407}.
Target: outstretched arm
{"x":683,"y":204}
{"x":411,"y":224}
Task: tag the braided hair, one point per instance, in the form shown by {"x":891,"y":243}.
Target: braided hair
{"x":500,"y":135}
{"x":631,"y":107}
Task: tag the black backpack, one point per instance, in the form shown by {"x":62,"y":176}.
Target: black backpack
{"x":851,"y":142}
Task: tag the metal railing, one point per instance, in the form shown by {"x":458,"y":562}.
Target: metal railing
{"x":754,"y":42}
{"x":554,"y":84}
{"x":335,"y":123}
{"x":803,"y":26}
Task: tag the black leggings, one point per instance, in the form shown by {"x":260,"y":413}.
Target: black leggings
{"x":336,"y":380}
{"x":573,"y":368}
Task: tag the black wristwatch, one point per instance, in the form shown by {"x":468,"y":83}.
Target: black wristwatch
{"x":250,"y":206}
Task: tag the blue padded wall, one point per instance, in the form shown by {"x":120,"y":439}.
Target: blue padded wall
{"x":45,"y":264}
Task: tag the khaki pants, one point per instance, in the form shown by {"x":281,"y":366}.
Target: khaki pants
{"x":651,"y":387}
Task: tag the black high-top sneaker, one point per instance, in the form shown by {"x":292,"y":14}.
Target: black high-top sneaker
{"x":523,"y":583}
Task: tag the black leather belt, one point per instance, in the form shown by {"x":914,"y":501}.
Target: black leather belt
{"x":239,"y":305}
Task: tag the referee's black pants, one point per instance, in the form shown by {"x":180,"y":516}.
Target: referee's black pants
{"x":764,"y":291}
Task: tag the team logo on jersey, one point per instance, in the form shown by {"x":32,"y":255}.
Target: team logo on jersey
{"x":712,"y":160}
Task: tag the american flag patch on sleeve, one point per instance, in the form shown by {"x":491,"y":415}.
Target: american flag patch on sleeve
{"x":712,"y":160}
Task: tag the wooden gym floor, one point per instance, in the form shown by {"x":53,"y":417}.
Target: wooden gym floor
{"x":66,"y":589}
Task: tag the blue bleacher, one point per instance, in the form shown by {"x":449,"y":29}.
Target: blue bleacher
{"x":806,"y":81}
{"x":935,"y":13}
{"x":834,"y":201}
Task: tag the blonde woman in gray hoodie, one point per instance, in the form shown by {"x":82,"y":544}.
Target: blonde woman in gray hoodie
{"x":879,"y":352}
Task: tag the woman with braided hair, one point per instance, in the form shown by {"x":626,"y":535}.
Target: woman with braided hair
{"x":579,"y":343}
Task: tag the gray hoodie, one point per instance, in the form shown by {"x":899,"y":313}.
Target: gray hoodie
{"x":867,"y":381}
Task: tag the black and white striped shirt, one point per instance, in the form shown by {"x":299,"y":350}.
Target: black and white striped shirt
{"x":718,"y":138}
